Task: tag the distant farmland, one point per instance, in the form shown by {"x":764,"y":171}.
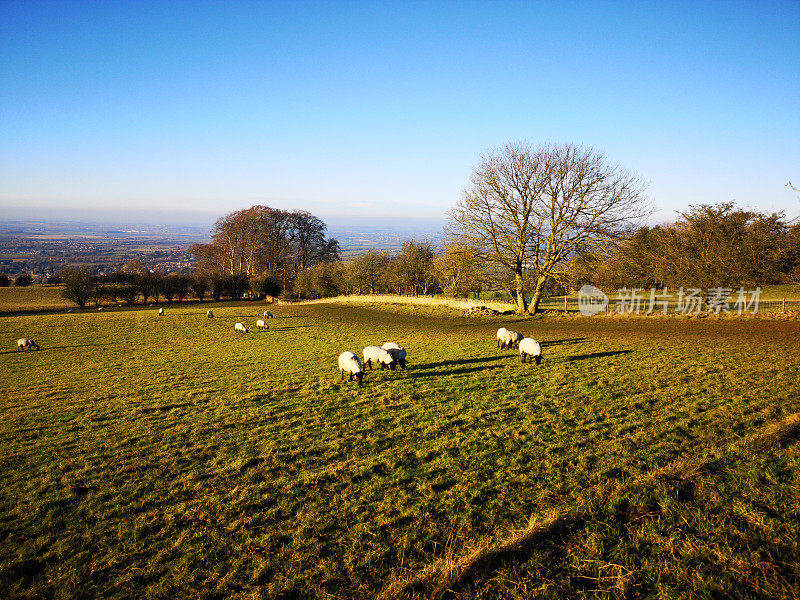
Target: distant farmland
{"x":171,"y":458}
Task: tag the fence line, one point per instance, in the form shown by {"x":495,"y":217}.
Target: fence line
{"x":559,"y":303}
{"x":571,"y":304}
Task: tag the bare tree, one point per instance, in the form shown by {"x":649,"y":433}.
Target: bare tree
{"x":532,"y":209}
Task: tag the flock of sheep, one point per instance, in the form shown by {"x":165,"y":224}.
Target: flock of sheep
{"x":388,"y":356}
{"x":529,"y":348}
{"x":391,"y":354}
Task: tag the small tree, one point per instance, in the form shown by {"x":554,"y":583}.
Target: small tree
{"x":414,"y":267}
{"x":368,"y":271}
{"x":79,"y":285}
{"x":460,"y":269}
{"x":23,"y":280}
{"x":199,"y":285}
{"x":323,"y":280}
{"x":5,"y":280}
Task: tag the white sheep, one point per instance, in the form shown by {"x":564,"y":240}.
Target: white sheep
{"x":267,"y":314}
{"x":161,"y":312}
{"x":507,"y":338}
{"x":240,"y":328}
{"x":25,"y":343}
{"x":349,"y":363}
{"x":261,"y":324}
{"x":379,"y":356}
{"x":397,"y":352}
{"x":209,"y":314}
{"x":502,"y":337}
{"x":515,"y":338}
{"x":530,"y":348}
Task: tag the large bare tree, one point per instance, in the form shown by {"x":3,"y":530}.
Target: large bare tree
{"x":532,"y":209}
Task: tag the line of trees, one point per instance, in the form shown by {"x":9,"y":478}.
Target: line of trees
{"x":708,"y":246}
{"x":128,"y":287}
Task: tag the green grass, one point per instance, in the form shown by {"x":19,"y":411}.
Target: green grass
{"x":172,"y":458}
{"x":33,"y":297}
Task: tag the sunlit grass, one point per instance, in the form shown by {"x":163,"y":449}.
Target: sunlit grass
{"x":33,"y":297}
{"x":170,"y":457}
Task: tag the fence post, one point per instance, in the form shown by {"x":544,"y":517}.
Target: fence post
{"x":565,"y":304}
{"x":783,"y":304}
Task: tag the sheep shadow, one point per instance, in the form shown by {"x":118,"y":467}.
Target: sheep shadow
{"x":566,"y":342}
{"x":598,"y":355}
{"x":465,"y":361}
{"x":464,"y":371}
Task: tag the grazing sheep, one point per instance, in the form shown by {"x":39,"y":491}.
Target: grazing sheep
{"x":261,"y":324}
{"x":240,"y":328}
{"x":25,"y":343}
{"x":531,"y":348}
{"x":209,"y":314}
{"x":380,"y":356}
{"x":267,"y":314}
{"x":397,"y":352}
{"x":349,"y":363}
{"x":507,"y":338}
{"x":99,"y":308}
{"x":515,"y":338}
{"x":501,"y":336}
{"x":161,"y":312}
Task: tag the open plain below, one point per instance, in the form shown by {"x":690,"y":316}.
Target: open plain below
{"x":146,"y":457}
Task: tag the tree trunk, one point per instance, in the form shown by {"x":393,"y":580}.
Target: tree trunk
{"x":522,"y":306}
{"x":537,"y":294}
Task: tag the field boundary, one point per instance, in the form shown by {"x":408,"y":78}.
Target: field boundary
{"x":450,"y":573}
{"x":416,"y":300}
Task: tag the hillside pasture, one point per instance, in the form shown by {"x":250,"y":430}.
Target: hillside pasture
{"x":172,"y":458}
{"x":33,"y":298}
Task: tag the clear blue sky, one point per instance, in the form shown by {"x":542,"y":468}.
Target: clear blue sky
{"x":383,"y":109}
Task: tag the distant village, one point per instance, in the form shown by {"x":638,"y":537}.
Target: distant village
{"x":40,"y":250}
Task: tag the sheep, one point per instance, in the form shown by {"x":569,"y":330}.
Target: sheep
{"x":209,"y":314}
{"x":507,"y":338}
{"x":349,"y":363}
{"x":261,"y":324}
{"x":267,"y":314}
{"x":240,"y":328}
{"x":502,"y":337}
{"x":515,"y":338}
{"x":397,"y":351}
{"x":380,"y":356}
{"x":161,"y":312}
{"x":531,"y":348}
{"x":25,"y":343}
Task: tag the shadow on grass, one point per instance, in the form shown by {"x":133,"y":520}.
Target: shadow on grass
{"x":417,"y":375}
{"x":547,"y":344}
{"x":465,"y":361}
{"x":598,"y":355}
{"x":48,"y":348}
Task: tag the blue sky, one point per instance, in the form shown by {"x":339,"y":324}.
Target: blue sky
{"x":382,"y":109}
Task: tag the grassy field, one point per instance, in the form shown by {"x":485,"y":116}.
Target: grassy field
{"x":146,"y":457}
{"x":34,"y":297}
